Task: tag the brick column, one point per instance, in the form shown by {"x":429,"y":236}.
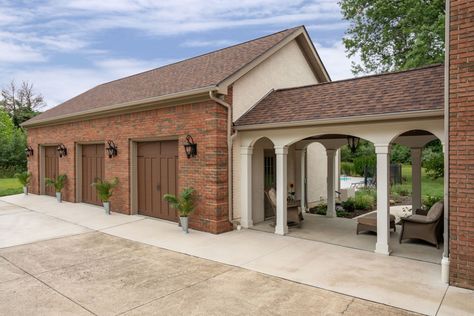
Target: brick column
{"x":461,"y":144}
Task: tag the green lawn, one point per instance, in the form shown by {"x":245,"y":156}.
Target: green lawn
{"x":428,"y":186}
{"x":10,"y":186}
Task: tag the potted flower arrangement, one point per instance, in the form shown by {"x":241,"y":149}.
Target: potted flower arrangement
{"x":184,"y":204}
{"x":104,"y":190}
{"x":24,"y":178}
{"x":58,"y":183}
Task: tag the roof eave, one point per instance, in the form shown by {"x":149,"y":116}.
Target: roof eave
{"x":344,"y":120}
{"x":164,"y":100}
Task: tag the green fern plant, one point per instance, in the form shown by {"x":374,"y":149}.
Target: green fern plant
{"x":184,"y":204}
{"x":58,"y":183}
{"x":24,"y":178}
{"x":105,"y":188}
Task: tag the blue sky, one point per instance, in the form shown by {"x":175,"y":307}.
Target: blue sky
{"x":66,"y":47}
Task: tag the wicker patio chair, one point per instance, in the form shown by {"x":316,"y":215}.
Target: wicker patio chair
{"x":293,"y":217}
{"x":423,"y":227}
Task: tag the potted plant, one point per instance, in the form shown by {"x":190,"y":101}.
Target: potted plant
{"x":104,"y":190}
{"x":184,"y":204}
{"x":24,"y":178}
{"x":58,"y":185}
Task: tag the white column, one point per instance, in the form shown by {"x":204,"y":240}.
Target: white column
{"x":246,"y":186}
{"x":331,"y":200}
{"x":383,"y":199}
{"x":416,"y":178}
{"x":281,"y":227}
{"x":303,"y":180}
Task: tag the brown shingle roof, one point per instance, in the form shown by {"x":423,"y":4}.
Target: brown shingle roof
{"x":412,"y":90}
{"x":198,"y":72}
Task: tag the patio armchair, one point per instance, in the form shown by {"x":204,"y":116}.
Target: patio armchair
{"x":294,"y":215}
{"x":423,"y":227}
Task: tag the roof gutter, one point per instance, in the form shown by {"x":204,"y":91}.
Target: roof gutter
{"x":229,"y":151}
{"x":340,"y":120}
{"x":112,"y":109}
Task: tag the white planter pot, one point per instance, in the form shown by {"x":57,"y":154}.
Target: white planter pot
{"x":106,"y":207}
{"x":25,"y":190}
{"x":184,"y":223}
{"x":59,"y":197}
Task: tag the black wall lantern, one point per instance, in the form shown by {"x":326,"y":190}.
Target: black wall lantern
{"x":353,"y":143}
{"x":111,"y":149}
{"x":190,"y":147}
{"x":29,"y":151}
{"x":62,"y":150}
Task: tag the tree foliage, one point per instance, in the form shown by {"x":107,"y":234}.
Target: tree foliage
{"x":12,"y":147}
{"x":21,"y":103}
{"x":394,"y":35}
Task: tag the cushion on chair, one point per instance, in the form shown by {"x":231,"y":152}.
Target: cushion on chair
{"x":435,"y":211}
{"x":272,"y":196}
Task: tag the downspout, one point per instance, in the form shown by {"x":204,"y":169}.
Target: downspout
{"x":229,"y":151}
{"x":445,"y":259}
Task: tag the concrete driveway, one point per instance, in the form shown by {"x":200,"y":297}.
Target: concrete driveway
{"x":73,"y":259}
{"x":95,"y":273}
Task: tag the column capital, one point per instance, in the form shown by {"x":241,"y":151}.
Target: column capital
{"x":246,"y":150}
{"x":382,"y":148}
{"x":331,"y":152}
{"x":281,"y":150}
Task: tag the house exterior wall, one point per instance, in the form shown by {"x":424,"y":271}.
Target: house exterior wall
{"x":316,"y":173}
{"x":286,"y":68}
{"x":461,"y":145}
{"x":205,"y":121}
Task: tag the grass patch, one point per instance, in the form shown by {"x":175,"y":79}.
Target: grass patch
{"x":10,"y":186}
{"x":429,"y":186}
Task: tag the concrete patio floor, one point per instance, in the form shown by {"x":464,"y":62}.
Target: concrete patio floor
{"x":342,"y":232}
{"x":87,"y":272}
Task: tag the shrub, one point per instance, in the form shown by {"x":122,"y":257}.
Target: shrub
{"x":360,"y":163}
{"x":184,"y":204}
{"x":24,"y":178}
{"x":347,"y":168}
{"x":104,"y":188}
{"x":57,"y":183}
{"x":367,"y":191}
{"x":320,"y":209}
{"x":430,"y":200}
{"x":349,"y":204}
{"x":400,"y":190}
{"x":364,"y":202}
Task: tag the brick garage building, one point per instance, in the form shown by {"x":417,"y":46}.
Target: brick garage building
{"x":461,"y":142}
{"x":148,"y":117}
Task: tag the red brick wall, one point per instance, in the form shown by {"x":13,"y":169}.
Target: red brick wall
{"x":461,"y":143}
{"x":207,"y":173}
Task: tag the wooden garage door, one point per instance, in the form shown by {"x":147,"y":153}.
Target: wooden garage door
{"x":92,"y":168}
{"x":51,"y":167}
{"x":157,"y":175}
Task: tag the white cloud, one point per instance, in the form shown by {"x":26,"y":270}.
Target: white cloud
{"x":14,"y":53}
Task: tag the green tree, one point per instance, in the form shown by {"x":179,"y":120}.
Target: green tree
{"x":12,"y":147}
{"x":21,"y":103}
{"x":394,"y":35}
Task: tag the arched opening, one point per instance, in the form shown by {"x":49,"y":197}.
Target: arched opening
{"x":418,"y":157}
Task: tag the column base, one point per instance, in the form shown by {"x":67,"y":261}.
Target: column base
{"x":331,"y":214}
{"x":246,"y":224}
{"x":281,"y":231}
{"x":445,"y":270}
{"x":383,"y":249}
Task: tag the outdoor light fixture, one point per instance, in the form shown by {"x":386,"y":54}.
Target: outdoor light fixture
{"x":190,"y":147}
{"x":112,"y":149}
{"x":29,"y":151}
{"x":62,"y":150}
{"x":353,"y":143}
